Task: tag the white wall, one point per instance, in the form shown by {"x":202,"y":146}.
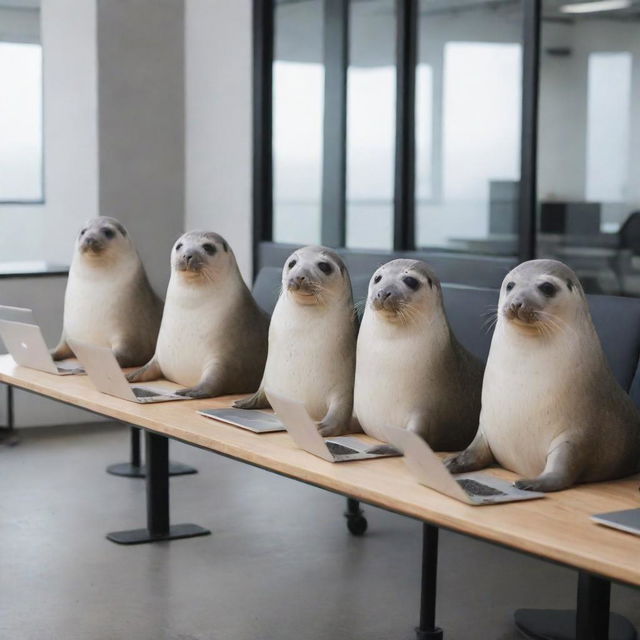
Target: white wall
{"x":218,"y":121}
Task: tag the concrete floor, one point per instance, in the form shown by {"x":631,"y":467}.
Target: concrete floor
{"x":280,"y":564}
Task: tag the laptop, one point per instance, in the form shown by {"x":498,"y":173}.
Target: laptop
{"x":304,"y":432}
{"x":627,"y":520}
{"x":17,"y":314}
{"x":26,"y":345}
{"x":250,"y":419}
{"x":105,"y":373}
{"x":472,"y":488}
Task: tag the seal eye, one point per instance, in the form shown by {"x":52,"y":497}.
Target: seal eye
{"x":209,"y":248}
{"x":325,"y":267}
{"x":411,"y":282}
{"x":83,"y":232}
{"x":291,"y":264}
{"x":377,"y":279}
{"x":510,"y":285}
{"x":179,"y":246}
{"x":110,"y":233}
{"x":547,"y":289}
{"x":569,"y":285}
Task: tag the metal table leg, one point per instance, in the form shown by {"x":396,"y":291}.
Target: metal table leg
{"x":8,"y":435}
{"x":590,"y":621}
{"x":356,"y":522}
{"x":158,"y":524}
{"x":135,"y":469}
{"x":428,"y":629}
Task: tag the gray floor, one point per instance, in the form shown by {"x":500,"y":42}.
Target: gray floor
{"x":279,"y":565}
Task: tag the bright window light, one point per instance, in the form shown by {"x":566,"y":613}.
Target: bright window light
{"x":20,"y":122}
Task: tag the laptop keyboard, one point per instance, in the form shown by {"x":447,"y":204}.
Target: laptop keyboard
{"x":139,"y":392}
{"x":478,"y":489}
{"x":338,"y":449}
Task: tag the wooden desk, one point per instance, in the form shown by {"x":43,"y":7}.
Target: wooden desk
{"x":555,"y":528}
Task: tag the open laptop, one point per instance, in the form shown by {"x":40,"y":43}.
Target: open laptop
{"x":17,"y":314}
{"x":105,"y":373}
{"x":627,"y":520}
{"x":26,"y":345}
{"x":304,"y":432}
{"x":429,"y":470}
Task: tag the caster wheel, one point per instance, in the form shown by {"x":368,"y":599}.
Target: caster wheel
{"x":357,"y":525}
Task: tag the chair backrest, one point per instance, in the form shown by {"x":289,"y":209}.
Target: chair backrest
{"x":616,"y":319}
{"x":266,"y":288}
{"x":470,"y":311}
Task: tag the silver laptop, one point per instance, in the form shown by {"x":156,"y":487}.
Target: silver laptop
{"x":472,"y":488}
{"x":249,"y":419}
{"x":105,"y":373}
{"x":17,"y":314}
{"x":27,"y":347}
{"x":304,"y":432}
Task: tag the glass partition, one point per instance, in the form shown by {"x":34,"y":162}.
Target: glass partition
{"x":298,"y":97}
{"x":588,"y":158}
{"x":468,"y":122}
{"x":371,"y":104}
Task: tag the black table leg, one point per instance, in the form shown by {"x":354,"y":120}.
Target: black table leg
{"x":135,"y":469}
{"x":428,"y":589}
{"x":356,"y":522}
{"x":591,"y":620}
{"x":158,"y":524}
{"x":8,"y":435}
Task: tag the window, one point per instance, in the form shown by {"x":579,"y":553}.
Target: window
{"x":298,"y":94}
{"x":20,"y":122}
{"x":371,"y":112}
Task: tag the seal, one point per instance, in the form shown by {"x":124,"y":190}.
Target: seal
{"x":552,"y":410}
{"x":108,"y":299}
{"x":213,"y":336}
{"x":312,"y":340}
{"x":411,"y":371}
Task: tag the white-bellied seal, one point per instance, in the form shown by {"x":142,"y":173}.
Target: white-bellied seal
{"x":411,"y":372}
{"x":108,"y":300}
{"x":312,"y":340}
{"x":551,"y":409}
{"x":213,"y":336}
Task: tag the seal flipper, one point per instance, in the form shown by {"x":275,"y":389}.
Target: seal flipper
{"x":257,"y":401}
{"x":62,"y":350}
{"x":561,"y":470}
{"x":150,"y":371}
{"x":208,"y":387}
{"x":476,"y":456}
{"x":337,"y":420}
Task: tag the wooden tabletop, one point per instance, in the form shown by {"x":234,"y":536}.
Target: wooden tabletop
{"x":556,"y":527}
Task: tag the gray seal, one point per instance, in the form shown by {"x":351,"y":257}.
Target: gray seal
{"x":312,"y":340}
{"x":108,"y":300}
{"x":411,"y":371}
{"x":552,"y":410}
{"x":213,"y":337}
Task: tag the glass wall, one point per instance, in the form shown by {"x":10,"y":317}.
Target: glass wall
{"x":298,"y":99}
{"x":20,"y":121}
{"x":588,"y":157}
{"x":371,"y":113}
{"x":468,"y":121}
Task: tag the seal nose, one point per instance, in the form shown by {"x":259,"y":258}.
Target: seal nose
{"x":383,"y":295}
{"x":516,"y":305}
{"x":188,"y":257}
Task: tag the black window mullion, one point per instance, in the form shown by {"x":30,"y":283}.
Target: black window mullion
{"x":404,"y":185}
{"x":334,"y":157}
{"x":529,"y":141}
{"x":263,"y":39}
